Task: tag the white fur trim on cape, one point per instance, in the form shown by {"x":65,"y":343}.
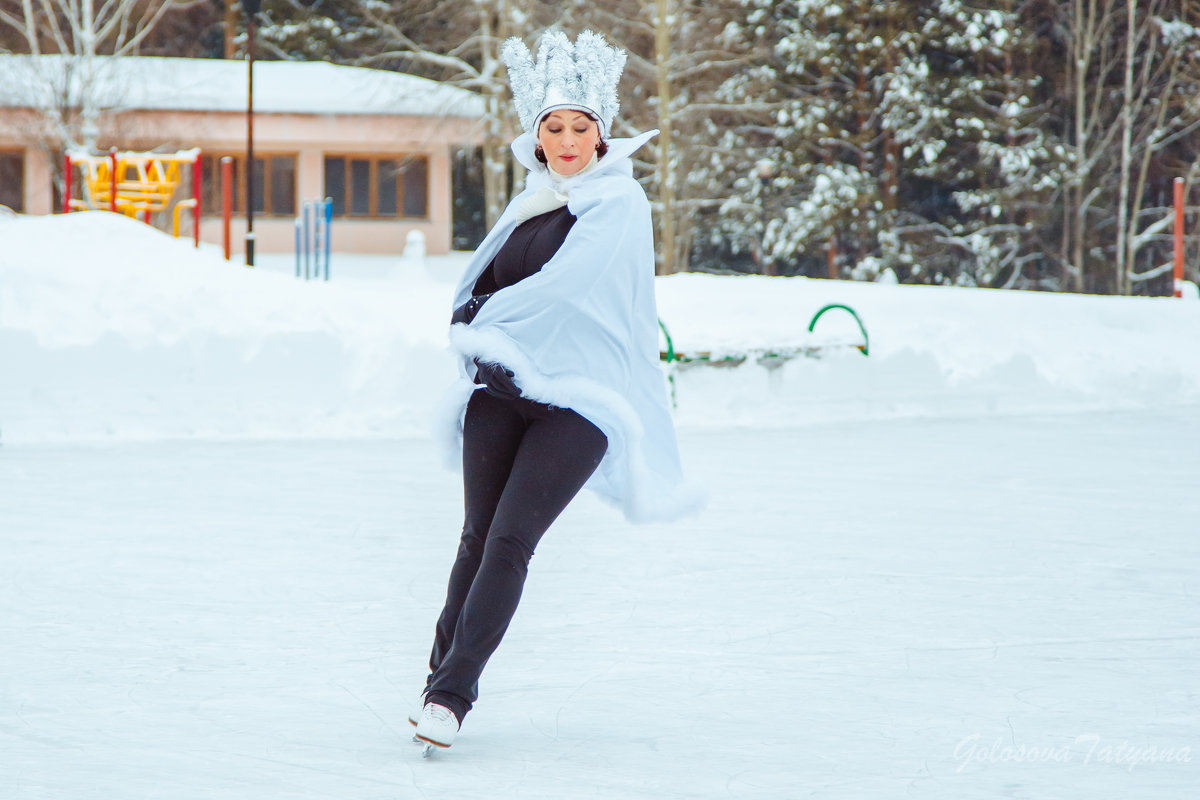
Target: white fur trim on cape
{"x":624,"y":478}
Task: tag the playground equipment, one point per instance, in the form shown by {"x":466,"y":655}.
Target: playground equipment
{"x":313,"y":240}
{"x":133,"y":184}
{"x":771,"y":358}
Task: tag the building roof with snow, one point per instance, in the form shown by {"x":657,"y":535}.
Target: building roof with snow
{"x":202,"y":84}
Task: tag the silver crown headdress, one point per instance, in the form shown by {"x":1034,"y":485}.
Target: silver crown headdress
{"x":582,"y":75}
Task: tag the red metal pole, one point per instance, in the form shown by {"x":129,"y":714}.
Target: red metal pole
{"x":197,"y":177}
{"x":1179,"y":237}
{"x":249,"y":192}
{"x":226,"y":198}
{"x":112,"y":159}
{"x":67,"y":186}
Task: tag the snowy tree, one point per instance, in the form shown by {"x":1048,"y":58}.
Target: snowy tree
{"x":1129,"y":88}
{"x":460,"y":43}
{"x":79,"y":30}
{"x":967,"y":111}
{"x":1159,"y":52}
{"x":701,"y":146}
{"x":685,"y":66}
{"x":814,"y":127}
{"x":324,"y":30}
{"x":903,"y":139}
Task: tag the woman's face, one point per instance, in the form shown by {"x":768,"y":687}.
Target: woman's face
{"x":569,"y":138}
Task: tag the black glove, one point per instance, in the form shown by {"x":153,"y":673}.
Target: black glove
{"x":497,"y":381}
{"x":467,"y":311}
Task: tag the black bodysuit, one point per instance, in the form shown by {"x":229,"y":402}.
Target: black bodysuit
{"x":529,"y":247}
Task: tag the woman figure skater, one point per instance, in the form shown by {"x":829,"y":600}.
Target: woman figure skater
{"x":555,"y":329}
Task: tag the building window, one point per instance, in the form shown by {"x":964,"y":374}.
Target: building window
{"x":12,"y":180}
{"x":378,"y":186}
{"x":416,"y":189}
{"x":274,"y":185}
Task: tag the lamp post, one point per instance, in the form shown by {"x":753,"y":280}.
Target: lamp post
{"x":251,"y":7}
{"x":764,"y":170}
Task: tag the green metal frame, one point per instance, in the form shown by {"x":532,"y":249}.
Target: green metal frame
{"x":866,"y":341}
{"x":670,"y":356}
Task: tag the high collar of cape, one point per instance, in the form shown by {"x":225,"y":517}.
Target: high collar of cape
{"x":615,"y":162}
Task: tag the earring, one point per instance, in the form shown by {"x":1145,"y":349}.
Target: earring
{"x":539,"y":152}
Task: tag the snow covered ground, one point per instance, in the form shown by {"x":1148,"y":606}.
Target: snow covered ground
{"x":965,"y":566}
{"x":109,"y":331}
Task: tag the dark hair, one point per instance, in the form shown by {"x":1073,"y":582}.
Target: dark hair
{"x":601,"y":147}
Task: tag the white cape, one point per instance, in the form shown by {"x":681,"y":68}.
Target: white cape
{"x":583,"y":332}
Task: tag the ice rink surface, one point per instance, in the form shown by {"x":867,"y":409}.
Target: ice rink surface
{"x":988,"y":607}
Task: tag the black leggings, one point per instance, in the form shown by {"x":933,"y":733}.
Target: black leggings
{"x":522,"y":463}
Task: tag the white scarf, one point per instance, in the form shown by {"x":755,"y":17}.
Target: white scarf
{"x":553,"y":195}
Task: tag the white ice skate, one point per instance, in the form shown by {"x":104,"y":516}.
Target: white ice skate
{"x":415,"y":711}
{"x":437,"y":728}
{"x":414,"y":714}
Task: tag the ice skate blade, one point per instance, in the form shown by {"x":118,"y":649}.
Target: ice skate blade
{"x":430,"y":748}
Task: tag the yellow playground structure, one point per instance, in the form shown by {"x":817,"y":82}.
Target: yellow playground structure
{"x":133,"y":184}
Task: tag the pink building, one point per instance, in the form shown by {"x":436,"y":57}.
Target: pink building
{"x":377,"y":143}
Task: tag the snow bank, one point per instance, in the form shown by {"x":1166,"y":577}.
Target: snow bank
{"x":112,"y":330}
{"x":933,"y":350}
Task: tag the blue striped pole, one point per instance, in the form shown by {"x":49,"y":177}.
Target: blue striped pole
{"x":328,"y":232}
{"x":307,"y":239}
{"x":318,"y":234}
{"x":298,"y":224}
